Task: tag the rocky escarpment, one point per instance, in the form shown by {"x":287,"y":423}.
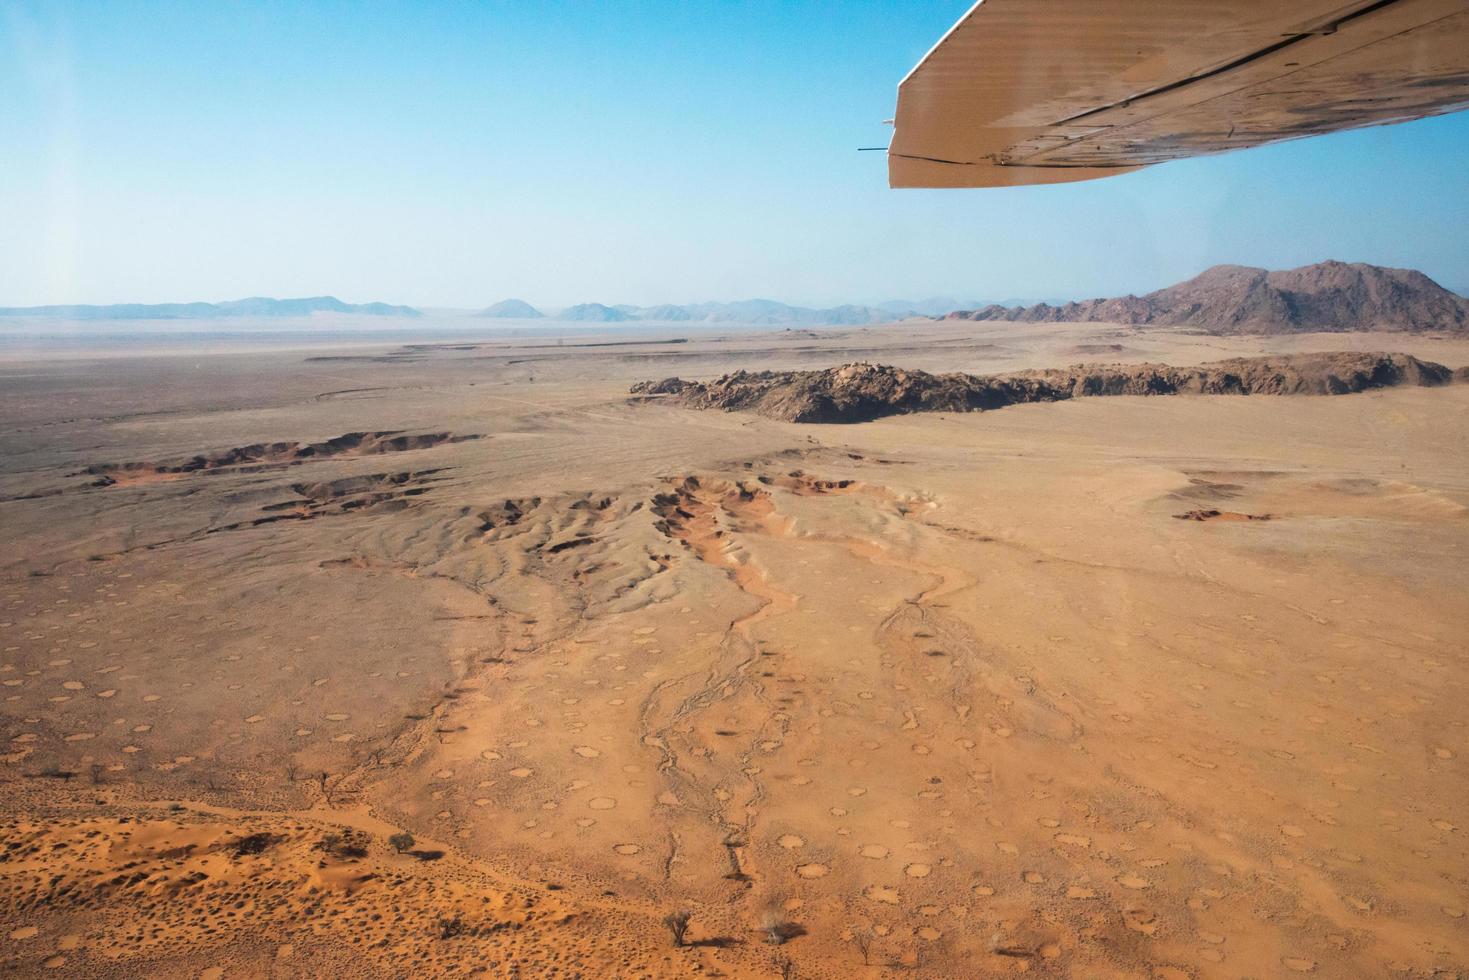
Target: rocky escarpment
{"x":861,"y":392}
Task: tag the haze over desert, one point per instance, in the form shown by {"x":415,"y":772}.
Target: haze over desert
{"x":944,"y":694}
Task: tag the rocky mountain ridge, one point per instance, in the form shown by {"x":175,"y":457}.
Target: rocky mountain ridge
{"x":1233,"y":299}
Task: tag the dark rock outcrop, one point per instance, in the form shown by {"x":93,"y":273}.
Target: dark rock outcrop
{"x":861,"y":392}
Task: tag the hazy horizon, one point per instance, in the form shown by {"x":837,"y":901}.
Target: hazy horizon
{"x":550,"y":310}
{"x":454,"y":159}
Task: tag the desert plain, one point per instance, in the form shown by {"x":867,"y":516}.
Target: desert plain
{"x":938,"y":695}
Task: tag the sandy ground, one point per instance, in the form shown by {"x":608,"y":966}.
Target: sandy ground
{"x":940,"y":696}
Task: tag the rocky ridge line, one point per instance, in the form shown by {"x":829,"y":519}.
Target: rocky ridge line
{"x":861,"y":392}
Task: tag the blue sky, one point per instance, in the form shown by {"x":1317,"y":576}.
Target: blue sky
{"x":452,"y":154}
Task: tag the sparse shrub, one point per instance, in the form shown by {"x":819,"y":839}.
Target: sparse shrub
{"x":54,"y":771}
{"x":402,"y":842}
{"x":678,"y":925}
{"x":449,"y":928}
{"x":343,"y":846}
{"x":774,"y":926}
{"x":253,"y":844}
{"x":863,"y":939}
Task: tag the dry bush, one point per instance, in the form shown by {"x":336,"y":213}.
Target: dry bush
{"x":773,"y":923}
{"x":678,"y":925}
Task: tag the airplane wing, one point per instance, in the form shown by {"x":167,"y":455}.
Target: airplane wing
{"x":1045,"y":91}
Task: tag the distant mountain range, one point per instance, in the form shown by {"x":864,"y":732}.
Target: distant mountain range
{"x":253,"y":306}
{"x":596,"y":313}
{"x":939,"y":305}
{"x":751,"y":311}
{"x":1235,"y":299}
{"x":1328,"y":296}
{"x":511,"y":309}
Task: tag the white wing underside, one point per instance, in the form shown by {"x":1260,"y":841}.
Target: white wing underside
{"x":1044,"y":91}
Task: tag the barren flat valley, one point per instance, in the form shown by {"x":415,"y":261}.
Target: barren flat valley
{"x":435,"y":659}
